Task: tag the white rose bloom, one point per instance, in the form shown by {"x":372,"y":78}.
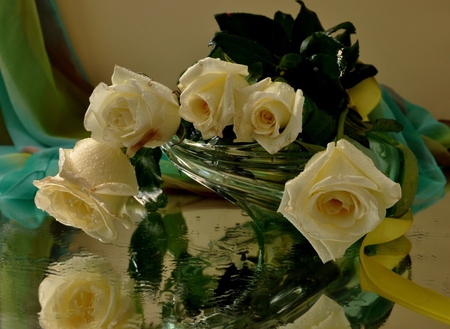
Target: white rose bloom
{"x":85,"y":292}
{"x":338,"y":198}
{"x":91,"y":189}
{"x":134,"y":112}
{"x":324,"y":314}
{"x":270,"y":113}
{"x":207,"y":94}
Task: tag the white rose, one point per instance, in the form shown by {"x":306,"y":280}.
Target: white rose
{"x":133,"y":112}
{"x":270,"y":113}
{"x":324,"y":314}
{"x":338,"y":198}
{"x":85,"y":292}
{"x":91,"y":189}
{"x":207,"y":94}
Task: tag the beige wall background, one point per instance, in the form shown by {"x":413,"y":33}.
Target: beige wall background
{"x":407,"y":40}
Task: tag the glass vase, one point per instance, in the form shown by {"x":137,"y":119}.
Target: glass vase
{"x":244,"y":174}
{"x":287,"y":277}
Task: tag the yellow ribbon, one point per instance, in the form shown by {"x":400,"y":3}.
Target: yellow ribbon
{"x":365,"y":96}
{"x":376,"y":274}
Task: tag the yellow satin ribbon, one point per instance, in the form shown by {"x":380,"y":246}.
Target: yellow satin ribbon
{"x":376,"y":274}
{"x":365,"y":96}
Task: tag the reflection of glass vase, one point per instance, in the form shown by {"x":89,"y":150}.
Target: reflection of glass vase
{"x":288,"y":275}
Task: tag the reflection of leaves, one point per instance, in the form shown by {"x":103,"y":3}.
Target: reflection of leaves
{"x":252,"y":295}
{"x":233,"y":284}
{"x":176,"y":230}
{"x":154,"y":236}
{"x":196,"y":287}
{"x":363,"y":308}
{"x":148,"y":246}
{"x":298,"y":269}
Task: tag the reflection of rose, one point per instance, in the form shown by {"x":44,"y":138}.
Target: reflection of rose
{"x":338,"y":198}
{"x":133,"y":112}
{"x":324,"y":314}
{"x":91,"y":189}
{"x":207,"y":94}
{"x":270,"y":113}
{"x":85,"y":292}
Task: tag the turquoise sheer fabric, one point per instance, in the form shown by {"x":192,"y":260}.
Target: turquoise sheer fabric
{"x":43,"y":97}
{"x":417,"y":122}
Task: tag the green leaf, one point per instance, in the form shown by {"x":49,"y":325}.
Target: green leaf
{"x":190,"y":131}
{"x":327,"y":65}
{"x":315,"y":84}
{"x":289,"y":61}
{"x":345,"y":36}
{"x":338,"y":56}
{"x":356,"y":128}
{"x":319,"y":127}
{"x":280,"y":79}
{"x":286,"y":21}
{"x":217,"y":52}
{"x":148,"y":174}
{"x":256,"y":28}
{"x":350,"y":55}
{"x":255,"y":72}
{"x":348,"y":27}
{"x":325,"y":53}
{"x":320,"y":43}
{"x":312,"y":148}
{"x":246,"y":52}
{"x":358,"y":74}
{"x":386,"y":125}
{"x":305,"y":24}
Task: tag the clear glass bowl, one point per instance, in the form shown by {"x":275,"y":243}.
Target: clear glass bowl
{"x":286,"y":276}
{"x":244,"y":174}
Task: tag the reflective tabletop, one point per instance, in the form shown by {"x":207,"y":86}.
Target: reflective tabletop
{"x":26,"y":255}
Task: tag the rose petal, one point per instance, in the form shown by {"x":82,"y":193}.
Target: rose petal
{"x":133,"y":112}
{"x":99,"y":168}
{"x":208,"y":99}
{"x":277,"y":100}
{"x":74,"y":206}
{"x":340,"y":175}
{"x":208,"y":66}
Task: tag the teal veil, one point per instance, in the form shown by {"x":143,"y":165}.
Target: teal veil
{"x":43,"y":96}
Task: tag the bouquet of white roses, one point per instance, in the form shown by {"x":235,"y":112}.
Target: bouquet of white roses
{"x":276,"y":82}
{"x":279,"y":83}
